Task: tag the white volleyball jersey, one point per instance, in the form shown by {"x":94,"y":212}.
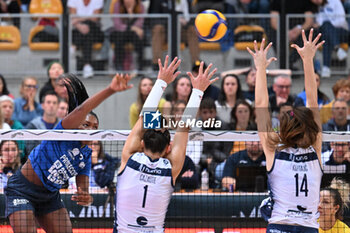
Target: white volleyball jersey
{"x":143,"y":193}
{"x":294,"y":183}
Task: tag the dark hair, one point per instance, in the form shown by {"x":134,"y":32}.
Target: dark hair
{"x":337,"y":201}
{"x":295,"y":130}
{"x":5,"y":91}
{"x":156,"y":140}
{"x":234,"y":109}
{"x":101,"y":154}
{"x":174,"y":95}
{"x":50,"y":92}
{"x":95,"y":115}
{"x":222,"y":96}
{"x":76,"y":90}
{"x":17,"y":162}
{"x":49,"y":67}
{"x":207,"y":103}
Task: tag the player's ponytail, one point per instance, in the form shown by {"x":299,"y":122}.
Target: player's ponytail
{"x":75,"y":89}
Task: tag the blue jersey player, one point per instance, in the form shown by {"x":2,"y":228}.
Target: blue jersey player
{"x":293,"y":155}
{"x":33,"y":192}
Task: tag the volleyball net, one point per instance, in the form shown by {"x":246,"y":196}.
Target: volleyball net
{"x":220,"y":188}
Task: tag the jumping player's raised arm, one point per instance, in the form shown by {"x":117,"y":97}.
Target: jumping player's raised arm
{"x":262,"y":100}
{"x":307,"y":54}
{"x":200,"y":84}
{"x":166,"y":75}
{"x":74,"y":119}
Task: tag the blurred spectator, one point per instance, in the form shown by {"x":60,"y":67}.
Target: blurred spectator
{"x":26,"y":108}
{"x":103,"y":166}
{"x":339,"y":154}
{"x":201,"y":5}
{"x":242,"y":118}
{"x":193,"y":148}
{"x":323,"y":99}
{"x":54,"y":70}
{"x":333,"y":201}
{"x":334,"y":28}
{"x":11,"y":6}
{"x":49,"y":119}
{"x":3,"y":124}
{"x":252,"y":156}
{"x":188,"y":177}
{"x":339,"y":121}
{"x":296,"y":25}
{"x":281,"y":86}
{"x":145,"y":86}
{"x":188,"y":31}
{"x":181,"y":91}
{"x":127,"y":30}
{"x":250,"y":78}
{"x":283,"y":108}
{"x":341,"y":90}
{"x":61,"y":90}
{"x":86,"y":29}
{"x":216,"y":152}
{"x":7,"y":108}
{"x":9,"y":160}
{"x":62,"y":110}
{"x":229,"y":94}
{"x":212,"y":91}
{"x":3,"y":87}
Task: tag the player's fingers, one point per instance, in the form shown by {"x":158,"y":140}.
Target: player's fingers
{"x":208,"y":69}
{"x":166,"y":61}
{"x":320,"y":44}
{"x":295,"y":46}
{"x":160,"y":64}
{"x":176,"y":74}
{"x":173,"y":62}
{"x":214,"y":80}
{"x":317,"y":38}
{"x":191,"y":76}
{"x":250,"y":51}
{"x":200,"y":71}
{"x":271,"y":60}
{"x":177,"y":64}
{"x":303,"y":36}
{"x":262,"y":45}
{"x":268,"y":47}
{"x":311,"y":34}
{"x":255,"y":46}
{"x":212,"y":73}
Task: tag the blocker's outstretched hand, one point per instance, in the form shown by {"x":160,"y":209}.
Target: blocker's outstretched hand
{"x":310,"y":46}
{"x":260,"y":54}
{"x":120,"y":82}
{"x":203,"y":80}
{"x":167,"y":73}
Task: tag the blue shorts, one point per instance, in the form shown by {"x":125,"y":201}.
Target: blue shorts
{"x":21,"y":194}
{"x":279,"y":228}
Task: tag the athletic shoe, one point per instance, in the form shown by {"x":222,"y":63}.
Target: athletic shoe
{"x":341,"y":54}
{"x":326,"y":72}
{"x":88,"y":71}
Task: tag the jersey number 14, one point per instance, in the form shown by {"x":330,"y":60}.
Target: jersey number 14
{"x":303,"y":186}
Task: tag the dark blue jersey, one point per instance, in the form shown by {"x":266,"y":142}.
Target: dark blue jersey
{"x":56,"y":161}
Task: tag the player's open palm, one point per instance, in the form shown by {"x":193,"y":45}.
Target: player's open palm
{"x":310,"y":46}
{"x":260,"y":54}
{"x":120,"y":82}
{"x":167,"y":72}
{"x":203,"y":80}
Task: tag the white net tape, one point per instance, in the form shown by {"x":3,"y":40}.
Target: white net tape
{"x":121,"y":135}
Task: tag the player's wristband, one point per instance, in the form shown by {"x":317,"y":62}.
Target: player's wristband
{"x":193,"y":104}
{"x":154,"y":96}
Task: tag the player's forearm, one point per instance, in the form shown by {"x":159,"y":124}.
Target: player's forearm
{"x":152,"y":101}
{"x":261,"y":94}
{"x":310,"y":83}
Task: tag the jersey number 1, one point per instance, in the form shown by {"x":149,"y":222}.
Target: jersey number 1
{"x":144,"y":195}
{"x":303,"y":186}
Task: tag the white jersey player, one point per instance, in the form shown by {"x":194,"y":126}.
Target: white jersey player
{"x":293,"y":154}
{"x":149,"y":166}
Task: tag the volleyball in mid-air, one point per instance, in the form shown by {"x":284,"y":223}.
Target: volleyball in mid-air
{"x":211,"y":25}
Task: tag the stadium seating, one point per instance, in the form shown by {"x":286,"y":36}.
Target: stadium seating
{"x":45,"y":7}
{"x":40,"y":45}
{"x":10,"y":38}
